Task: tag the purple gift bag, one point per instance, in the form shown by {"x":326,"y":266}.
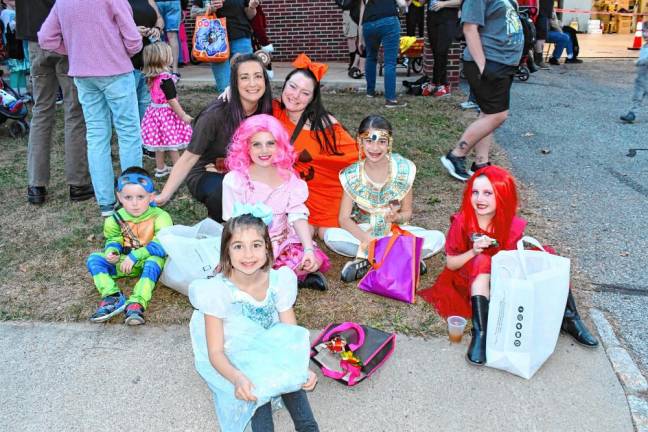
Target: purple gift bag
{"x":395,"y":270}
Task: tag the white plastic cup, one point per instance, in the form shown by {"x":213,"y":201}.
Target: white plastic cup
{"x":456,"y":326}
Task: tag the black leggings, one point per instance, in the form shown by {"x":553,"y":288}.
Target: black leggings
{"x":442,"y":29}
{"x":300,"y":411}
{"x":414,"y":19}
{"x":209,"y":191}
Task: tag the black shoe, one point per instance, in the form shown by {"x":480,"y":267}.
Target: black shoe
{"x":315,"y":281}
{"x":36,"y":194}
{"x":148,"y":154}
{"x":574,"y":326}
{"x":456,"y":166}
{"x":554,"y":61}
{"x":422,"y":268}
{"x":475,"y":166}
{"x":354,"y":270}
{"x":628,"y":118}
{"x":81,"y":193}
{"x":477,"y":349}
{"x":574,"y":61}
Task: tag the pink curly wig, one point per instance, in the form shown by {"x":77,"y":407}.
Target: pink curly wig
{"x":238,"y":153}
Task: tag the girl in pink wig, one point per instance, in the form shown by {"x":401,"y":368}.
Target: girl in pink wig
{"x":260,"y":161}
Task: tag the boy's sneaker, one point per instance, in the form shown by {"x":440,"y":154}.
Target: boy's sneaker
{"x":354,"y":270}
{"x":442,"y":90}
{"x":474,"y":167}
{"x":161,"y":173}
{"x":395,"y":104}
{"x":134,"y":314}
{"x":469,"y":105}
{"x":107,"y":210}
{"x":628,"y":118}
{"x":148,"y":154}
{"x":456,"y":166}
{"x":109,"y":307}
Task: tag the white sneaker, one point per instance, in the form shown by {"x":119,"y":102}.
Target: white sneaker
{"x":468,"y":105}
{"x":161,"y":173}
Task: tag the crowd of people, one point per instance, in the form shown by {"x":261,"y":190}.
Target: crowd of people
{"x":278,"y":173}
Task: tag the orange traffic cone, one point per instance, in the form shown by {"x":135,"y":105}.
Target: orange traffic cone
{"x":636,"y":42}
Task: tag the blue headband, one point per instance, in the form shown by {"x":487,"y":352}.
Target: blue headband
{"x":136,"y":179}
{"x":259,"y":210}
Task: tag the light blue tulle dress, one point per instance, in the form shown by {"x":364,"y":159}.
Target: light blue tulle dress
{"x":274,"y":356}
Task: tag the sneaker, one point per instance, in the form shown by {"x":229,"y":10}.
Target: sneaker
{"x":134,"y":314}
{"x":81,"y":193}
{"x":59,"y":96}
{"x":554,"y":61}
{"x":422,"y":80}
{"x":427,"y":89}
{"x":107,"y":210}
{"x":474,"y":167}
{"x":628,"y":118}
{"x":109,"y":307}
{"x":422,"y":268}
{"x":442,"y":90}
{"x":574,"y":61}
{"x":371,"y":95}
{"x":161,"y":173}
{"x":36,"y":194}
{"x":395,"y":104}
{"x":148,"y":154}
{"x":315,"y":281}
{"x":469,"y":105}
{"x":354,"y":270}
{"x":456,"y":166}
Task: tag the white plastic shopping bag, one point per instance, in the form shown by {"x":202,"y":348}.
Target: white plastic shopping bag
{"x":193,"y":252}
{"x":529,"y":291}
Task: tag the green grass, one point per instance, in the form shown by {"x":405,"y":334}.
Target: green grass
{"x":42,"y":264}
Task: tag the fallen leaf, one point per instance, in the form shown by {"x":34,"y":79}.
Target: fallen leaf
{"x":23,"y":268}
{"x":545,"y":151}
{"x":528,"y":134}
{"x":624,"y":253}
{"x":90,"y":238}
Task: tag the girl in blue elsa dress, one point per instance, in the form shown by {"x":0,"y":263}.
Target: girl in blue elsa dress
{"x":246,"y":343}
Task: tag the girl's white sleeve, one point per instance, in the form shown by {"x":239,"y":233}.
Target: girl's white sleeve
{"x":297,"y":202}
{"x":210,"y":296}
{"x":286,"y":288}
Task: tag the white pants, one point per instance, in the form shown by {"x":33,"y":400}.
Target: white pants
{"x":344,"y":243}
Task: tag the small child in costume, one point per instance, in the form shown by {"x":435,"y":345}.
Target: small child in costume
{"x":17,"y":50}
{"x":131,"y":249}
{"x":260,"y":159}
{"x":485,"y":224}
{"x":641,"y":82}
{"x":246,"y":343}
{"x":165,"y":126}
{"x":377,"y":193}
{"x":9,"y":102}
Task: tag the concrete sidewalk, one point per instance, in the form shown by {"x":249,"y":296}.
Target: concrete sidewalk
{"x":83,"y":377}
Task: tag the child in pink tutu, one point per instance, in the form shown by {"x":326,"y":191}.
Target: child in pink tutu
{"x":260,"y":159}
{"x":165,"y":126}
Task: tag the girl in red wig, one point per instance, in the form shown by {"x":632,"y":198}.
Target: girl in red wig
{"x":485,"y":224}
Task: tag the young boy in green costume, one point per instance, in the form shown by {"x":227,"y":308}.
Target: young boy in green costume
{"x":131,"y":249}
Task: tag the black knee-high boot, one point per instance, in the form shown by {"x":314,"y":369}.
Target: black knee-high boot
{"x":352,"y":56}
{"x":574,"y":325}
{"x":477,"y":350}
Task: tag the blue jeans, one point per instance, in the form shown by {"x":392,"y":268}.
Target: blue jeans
{"x":221,"y":71}
{"x":143,"y":93}
{"x":103,"y":98}
{"x":385,"y":31}
{"x":562,"y":41}
{"x":300,"y":411}
{"x":171,"y":12}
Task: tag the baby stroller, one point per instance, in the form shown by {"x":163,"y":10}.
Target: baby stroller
{"x":12,"y":108}
{"x":410,"y":55}
{"x":528,"y":11}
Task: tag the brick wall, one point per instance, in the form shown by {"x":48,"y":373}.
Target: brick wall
{"x":315,"y":27}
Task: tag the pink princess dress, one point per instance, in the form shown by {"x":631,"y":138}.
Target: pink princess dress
{"x":288,"y":205}
{"x":162,"y":129}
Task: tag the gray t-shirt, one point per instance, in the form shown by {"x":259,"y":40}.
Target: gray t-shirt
{"x":500,"y":29}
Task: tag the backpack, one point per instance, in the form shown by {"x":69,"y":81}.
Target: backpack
{"x":528,"y":28}
{"x":353,"y":6}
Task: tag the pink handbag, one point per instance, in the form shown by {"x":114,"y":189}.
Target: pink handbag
{"x":350,"y":352}
{"x":395,"y":266}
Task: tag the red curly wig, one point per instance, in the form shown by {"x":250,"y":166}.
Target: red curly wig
{"x":506,"y":201}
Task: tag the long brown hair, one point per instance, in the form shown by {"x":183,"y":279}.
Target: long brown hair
{"x":238,"y":223}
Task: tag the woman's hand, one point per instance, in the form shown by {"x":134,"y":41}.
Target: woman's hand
{"x":161,"y":199}
{"x":440,"y":4}
{"x":126,"y":265}
{"x":481,"y":243}
{"x":226,"y":95}
{"x":309,"y":262}
{"x":112,"y":257}
{"x":311,"y":382}
{"x":253,"y":4}
{"x":243,"y":389}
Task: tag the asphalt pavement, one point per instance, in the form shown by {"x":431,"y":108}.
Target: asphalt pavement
{"x":91,"y":377}
{"x":564,"y":138}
